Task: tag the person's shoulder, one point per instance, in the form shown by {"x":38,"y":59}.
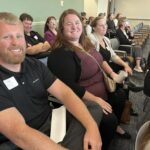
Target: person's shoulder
{"x":34,"y":32}
{"x":107,"y":39}
{"x":32,"y":62}
{"x":48,"y":32}
{"x":92,"y":37}
{"x":61,"y":50}
{"x":61,"y":54}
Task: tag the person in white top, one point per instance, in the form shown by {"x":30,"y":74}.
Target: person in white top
{"x":103,"y":46}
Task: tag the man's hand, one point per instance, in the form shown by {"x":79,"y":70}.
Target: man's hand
{"x":92,"y":138}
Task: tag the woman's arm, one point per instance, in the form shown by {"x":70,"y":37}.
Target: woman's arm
{"x":105,"y":106}
{"x":120,"y":62}
{"x":116,"y":59}
{"x":108,"y":70}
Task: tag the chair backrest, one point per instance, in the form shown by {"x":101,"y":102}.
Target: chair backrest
{"x":115,"y":43}
{"x":147,"y":78}
{"x":147,"y":84}
{"x":142,"y":139}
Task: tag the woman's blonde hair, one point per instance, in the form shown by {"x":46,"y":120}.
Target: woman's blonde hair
{"x":62,"y":41}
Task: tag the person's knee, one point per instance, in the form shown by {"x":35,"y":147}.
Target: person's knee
{"x":95,"y":110}
{"x":110,"y":121}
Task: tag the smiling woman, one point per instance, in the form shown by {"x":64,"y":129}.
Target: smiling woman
{"x":79,"y":71}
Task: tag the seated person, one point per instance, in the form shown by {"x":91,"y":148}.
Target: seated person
{"x":50,"y":30}
{"x":111,"y":28}
{"x":88,"y":27}
{"x":124,"y":40}
{"x":103,"y":46}
{"x":36,"y":45}
{"x":25,"y":113}
{"x":78,"y":68}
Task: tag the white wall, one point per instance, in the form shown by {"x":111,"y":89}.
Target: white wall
{"x":94,"y":7}
{"x":102,"y":6}
{"x":139,"y":9}
{"x":91,"y":7}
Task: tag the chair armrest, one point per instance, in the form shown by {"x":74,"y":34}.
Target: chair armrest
{"x":127,"y":48}
{"x":121,"y":53}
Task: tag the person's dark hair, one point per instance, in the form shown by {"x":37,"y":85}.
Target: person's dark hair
{"x":60,"y":39}
{"x":109,"y":15}
{"x":83,"y":14}
{"x":25,"y":16}
{"x":46,"y":26}
{"x":91,"y":18}
{"x":118,"y":15}
{"x":101,"y":14}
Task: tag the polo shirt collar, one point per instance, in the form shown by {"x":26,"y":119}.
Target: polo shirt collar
{"x":5,"y":70}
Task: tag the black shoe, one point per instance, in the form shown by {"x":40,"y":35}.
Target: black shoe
{"x":126,"y":135}
{"x":133,"y":113}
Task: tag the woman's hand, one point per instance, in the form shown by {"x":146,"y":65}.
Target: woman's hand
{"x":105,"y":106}
{"x":128,"y":69}
{"x":115,"y":77}
{"x":92,"y":139}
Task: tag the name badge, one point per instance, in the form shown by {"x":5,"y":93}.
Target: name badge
{"x":35,"y":37}
{"x":10,"y":83}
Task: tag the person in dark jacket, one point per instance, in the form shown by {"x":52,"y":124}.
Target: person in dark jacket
{"x":124,"y":40}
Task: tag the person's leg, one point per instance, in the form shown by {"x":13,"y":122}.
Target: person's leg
{"x":73,"y":139}
{"x":138,"y":65}
{"x":138,"y":56}
{"x":117,"y":100}
{"x":108,"y":127}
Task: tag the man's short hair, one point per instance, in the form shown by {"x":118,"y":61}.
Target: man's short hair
{"x":25,"y":16}
{"x":9,"y":18}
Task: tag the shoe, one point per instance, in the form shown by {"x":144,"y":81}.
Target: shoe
{"x":133,"y":113}
{"x":126,"y":135}
{"x":138,"y":69}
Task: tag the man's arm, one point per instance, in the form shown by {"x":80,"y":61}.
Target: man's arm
{"x":79,"y":111}
{"x":13,"y":126}
{"x":38,"y":48}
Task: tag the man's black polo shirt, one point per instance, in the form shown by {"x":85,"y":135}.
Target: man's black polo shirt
{"x":27,"y":92}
